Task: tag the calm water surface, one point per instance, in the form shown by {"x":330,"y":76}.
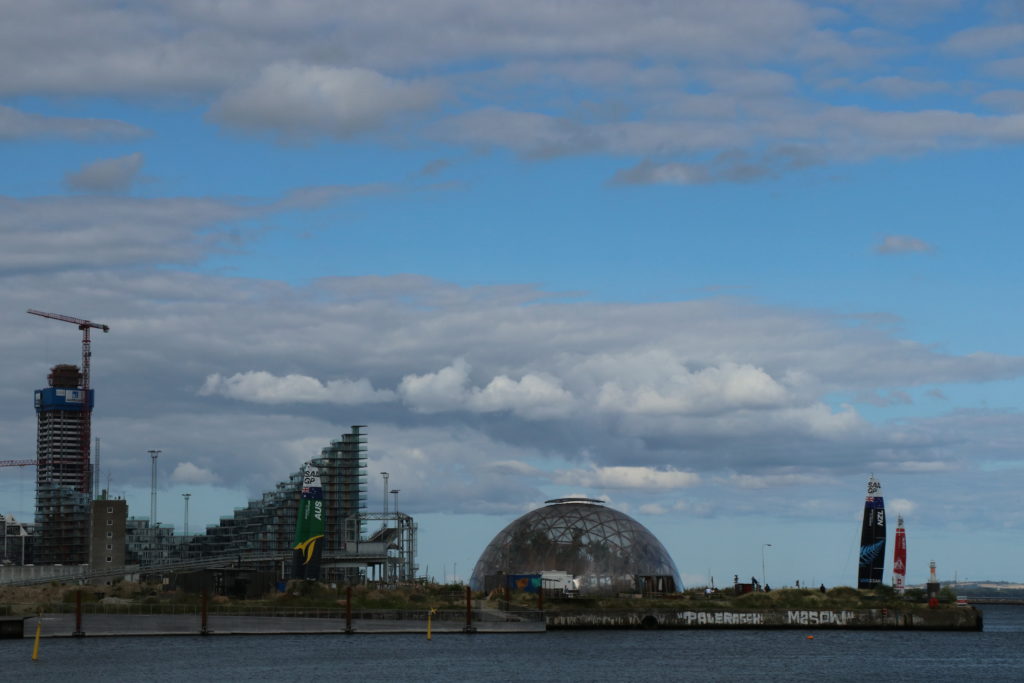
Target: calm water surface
{"x":994,"y":655}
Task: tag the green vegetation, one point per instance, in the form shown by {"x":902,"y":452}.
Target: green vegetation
{"x":303,"y":595}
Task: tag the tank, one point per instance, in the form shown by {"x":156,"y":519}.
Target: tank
{"x":605,"y":550}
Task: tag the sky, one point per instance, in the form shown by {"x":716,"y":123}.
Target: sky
{"x":713,"y":263}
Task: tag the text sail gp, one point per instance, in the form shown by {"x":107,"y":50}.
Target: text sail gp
{"x":309,"y":528}
{"x":872,"y":538}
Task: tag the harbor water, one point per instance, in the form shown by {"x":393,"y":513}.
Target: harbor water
{"x":996,"y":654}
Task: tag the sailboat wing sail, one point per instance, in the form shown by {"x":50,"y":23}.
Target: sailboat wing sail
{"x":899,"y":558}
{"x":309,"y":528}
{"x":872,"y":538}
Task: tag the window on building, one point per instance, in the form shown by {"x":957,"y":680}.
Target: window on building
{"x":109,"y":558}
{"x":110,"y":522}
{"x":110,"y":511}
{"x":110,"y":546}
{"x":110,"y":534}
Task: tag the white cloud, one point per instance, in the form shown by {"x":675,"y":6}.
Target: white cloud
{"x":628,"y":477}
{"x":753,"y":378}
{"x":302,"y":100}
{"x":315,"y":69}
{"x":532,"y":396}
{"x":900,"y":506}
{"x":263,"y":387}
{"x":188,"y":473}
{"x":437,"y":391}
{"x":677,"y":389}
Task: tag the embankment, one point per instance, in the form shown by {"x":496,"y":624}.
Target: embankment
{"x":923,"y":619}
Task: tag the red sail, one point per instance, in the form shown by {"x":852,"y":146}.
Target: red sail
{"x":899,"y":558}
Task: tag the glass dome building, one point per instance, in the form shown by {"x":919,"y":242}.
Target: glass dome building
{"x":605,"y":550}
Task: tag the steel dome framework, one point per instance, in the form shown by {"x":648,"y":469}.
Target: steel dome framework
{"x":608,"y":551}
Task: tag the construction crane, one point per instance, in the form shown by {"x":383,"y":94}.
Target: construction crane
{"x":85,"y":326}
{"x":17,"y":463}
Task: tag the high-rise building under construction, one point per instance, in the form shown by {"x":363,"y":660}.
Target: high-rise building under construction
{"x":267,"y":525}
{"x":63,"y":475}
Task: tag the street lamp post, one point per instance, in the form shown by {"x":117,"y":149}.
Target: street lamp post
{"x":384,"y":532}
{"x":186,"y":496}
{"x":398,"y":531}
{"x":764,"y":575}
{"x":153,"y":454}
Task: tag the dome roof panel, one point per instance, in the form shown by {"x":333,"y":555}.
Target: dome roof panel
{"x":606,"y":550}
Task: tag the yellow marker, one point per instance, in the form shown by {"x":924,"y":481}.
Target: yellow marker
{"x":431,"y":612}
{"x":39,"y":630}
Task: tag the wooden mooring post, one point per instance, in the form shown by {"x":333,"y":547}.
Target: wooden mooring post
{"x":204,"y":617}
{"x":78,"y":632}
{"x":469,"y":628}
{"x":348,"y":611}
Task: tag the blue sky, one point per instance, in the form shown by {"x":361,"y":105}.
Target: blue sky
{"x":714,"y":263}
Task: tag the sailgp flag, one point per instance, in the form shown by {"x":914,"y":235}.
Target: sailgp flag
{"x":309,"y":528}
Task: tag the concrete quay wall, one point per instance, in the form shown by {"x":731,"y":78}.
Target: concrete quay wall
{"x":951,"y":619}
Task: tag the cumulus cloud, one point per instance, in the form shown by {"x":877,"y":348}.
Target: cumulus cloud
{"x":902,"y":244}
{"x":188,"y":473}
{"x":532,"y":396}
{"x":628,"y":477}
{"x":263,"y":387}
{"x":900,"y":506}
{"x":437,"y":391}
{"x":106,"y":175}
{"x":300,"y":101}
{"x":707,"y":390}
